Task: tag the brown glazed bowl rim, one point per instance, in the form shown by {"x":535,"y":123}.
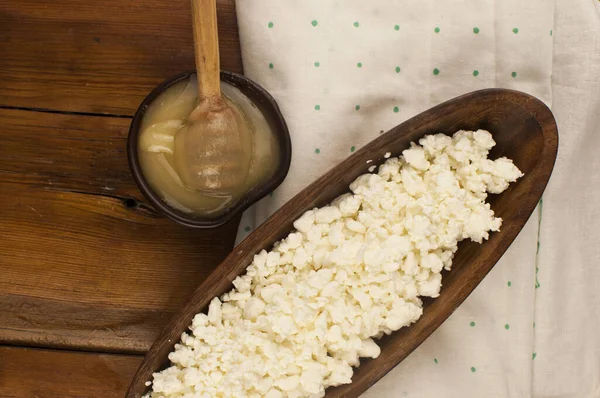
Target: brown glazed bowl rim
{"x":269,"y":108}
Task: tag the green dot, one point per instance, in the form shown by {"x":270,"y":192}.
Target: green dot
{"x":352,"y":148}
{"x":396,"y":109}
{"x":435,"y":360}
{"x":472,"y":324}
{"x":475,"y":72}
{"x":534,"y":324}
{"x":473,"y":369}
{"x":317,"y":107}
{"x":509,"y":283}
{"x":507,"y":326}
{"x":247,"y":229}
{"x":271,"y":24}
{"x":436,"y":71}
{"x":314,"y":22}
{"x":359,"y":65}
{"x":476,"y":30}
{"x":317,"y":64}
{"x":437,"y":29}
{"x":533,"y":356}
{"x":398,"y":69}
{"x":396,"y":27}
{"x":550,"y":32}
{"x":271,"y":194}
{"x":514,"y":74}
{"x":271,"y":66}
{"x":516,"y":30}
{"x":317,"y":151}
{"x":357,"y":107}
{"x":356,"y":24}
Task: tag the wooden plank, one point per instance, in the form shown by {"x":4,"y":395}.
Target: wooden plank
{"x":43,"y":322}
{"x":78,"y":56}
{"x":86,"y":262}
{"x":66,"y":152}
{"x":35,"y":373}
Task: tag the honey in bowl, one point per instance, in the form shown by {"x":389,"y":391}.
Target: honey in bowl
{"x":165,"y":116}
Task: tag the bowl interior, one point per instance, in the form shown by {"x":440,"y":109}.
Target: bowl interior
{"x":270,"y":110}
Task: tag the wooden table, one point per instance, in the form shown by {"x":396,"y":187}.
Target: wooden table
{"x":89,"y":272}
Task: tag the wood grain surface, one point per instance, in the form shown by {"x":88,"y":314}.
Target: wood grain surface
{"x":524,"y":130}
{"x":37,"y":373}
{"x":100,"y":57}
{"x":86,"y":262}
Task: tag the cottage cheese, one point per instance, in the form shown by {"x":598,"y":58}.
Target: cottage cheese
{"x":305,"y":313}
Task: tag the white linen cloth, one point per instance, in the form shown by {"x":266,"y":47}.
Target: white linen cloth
{"x":345,"y":71}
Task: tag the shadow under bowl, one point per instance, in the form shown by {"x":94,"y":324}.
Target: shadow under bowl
{"x":270,"y":110}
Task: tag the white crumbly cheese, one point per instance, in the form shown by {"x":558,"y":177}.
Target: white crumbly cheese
{"x":306,"y":312}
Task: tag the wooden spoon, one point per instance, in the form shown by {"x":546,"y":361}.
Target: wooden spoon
{"x":524,"y":130}
{"x":213,"y":151}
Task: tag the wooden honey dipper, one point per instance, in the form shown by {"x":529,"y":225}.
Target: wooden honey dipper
{"x":213,"y":151}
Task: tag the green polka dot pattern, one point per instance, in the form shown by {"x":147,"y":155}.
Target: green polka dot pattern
{"x":403,"y":73}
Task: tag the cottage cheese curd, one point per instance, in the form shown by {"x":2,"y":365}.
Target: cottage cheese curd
{"x":305,"y":312}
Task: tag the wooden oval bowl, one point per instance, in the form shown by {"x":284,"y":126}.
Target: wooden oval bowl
{"x":270,"y":110}
{"x":524,"y":130}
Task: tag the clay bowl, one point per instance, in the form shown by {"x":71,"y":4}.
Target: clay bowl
{"x":524,"y":130}
{"x":267,"y":106}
